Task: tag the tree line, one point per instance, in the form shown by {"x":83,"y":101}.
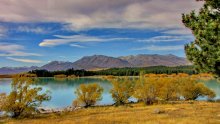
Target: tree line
{"x":119,"y":71}
{"x":149,"y":90}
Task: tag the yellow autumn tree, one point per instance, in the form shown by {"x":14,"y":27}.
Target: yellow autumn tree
{"x":155,"y":89}
{"x":2,"y":100}
{"x":147,"y":90}
{"x":169,"y":89}
{"x":23,"y":98}
{"x":191,"y":89}
{"x":122,"y":90}
{"x":88,"y":94}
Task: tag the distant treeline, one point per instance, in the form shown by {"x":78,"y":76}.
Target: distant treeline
{"x":119,"y":71}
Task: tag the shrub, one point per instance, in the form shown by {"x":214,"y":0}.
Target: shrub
{"x":88,"y":95}
{"x":191,"y":89}
{"x":122,"y":90}
{"x":23,"y":99}
{"x":75,"y":103}
{"x":147,"y":90}
{"x":169,"y":89}
{"x":153,"y":89}
{"x":2,"y":100}
{"x":72,"y":76}
{"x":60,"y":76}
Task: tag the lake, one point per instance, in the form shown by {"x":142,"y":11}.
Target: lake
{"x":62,"y":91}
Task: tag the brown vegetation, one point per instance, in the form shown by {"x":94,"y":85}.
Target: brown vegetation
{"x":23,"y":99}
{"x":88,"y":95}
{"x":72,"y":76}
{"x":182,"y":113}
{"x":5,"y":76}
{"x":122,"y":90}
{"x":60,"y":76}
{"x":153,"y":88}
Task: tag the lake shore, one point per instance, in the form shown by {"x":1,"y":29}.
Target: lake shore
{"x":5,"y":76}
{"x":184,"y":113}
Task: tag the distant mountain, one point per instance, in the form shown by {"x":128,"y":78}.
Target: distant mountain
{"x":14,"y":70}
{"x":102,"y":62}
{"x":57,"y":65}
{"x":144,"y":60}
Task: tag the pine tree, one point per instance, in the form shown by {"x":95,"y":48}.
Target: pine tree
{"x":204,"y":52}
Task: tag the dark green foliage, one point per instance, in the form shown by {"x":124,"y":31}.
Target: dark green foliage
{"x":119,"y":71}
{"x":147,"y":70}
{"x":204,"y":52}
{"x":45,"y":73}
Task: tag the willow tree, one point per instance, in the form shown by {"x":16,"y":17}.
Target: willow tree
{"x":122,"y":90}
{"x":204,"y":52}
{"x":88,"y":94}
{"x":24,"y":98}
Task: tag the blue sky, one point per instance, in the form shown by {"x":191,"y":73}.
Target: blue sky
{"x":37,"y":32}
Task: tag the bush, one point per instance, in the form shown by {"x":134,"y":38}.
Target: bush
{"x":147,"y":90}
{"x":169,"y":89}
{"x":72,"y":76}
{"x":88,"y":95}
{"x":153,"y":89}
{"x":23,"y":99}
{"x":60,"y":76}
{"x":122,"y":90}
{"x":2,"y":100}
{"x":191,"y":90}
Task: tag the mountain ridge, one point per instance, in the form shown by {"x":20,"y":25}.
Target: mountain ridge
{"x":103,"y":62}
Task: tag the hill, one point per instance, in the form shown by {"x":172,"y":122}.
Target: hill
{"x":97,"y":62}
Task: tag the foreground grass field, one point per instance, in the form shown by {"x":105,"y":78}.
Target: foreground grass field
{"x":184,"y":113}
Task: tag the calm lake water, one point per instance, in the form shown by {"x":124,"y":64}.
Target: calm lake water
{"x":62,"y":91}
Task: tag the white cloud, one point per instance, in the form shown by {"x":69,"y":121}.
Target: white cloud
{"x":60,"y":40}
{"x":161,"y":48}
{"x":7,"y":49}
{"x":24,"y":60}
{"x":19,"y":53}
{"x":38,"y":30}
{"x":86,"y":14}
{"x":180,"y":31}
{"x":167,"y":38}
{"x":77,"y":45}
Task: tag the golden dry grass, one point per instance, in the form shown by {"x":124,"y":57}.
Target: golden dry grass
{"x":185,"y":113}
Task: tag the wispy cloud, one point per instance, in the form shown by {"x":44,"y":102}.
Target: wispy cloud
{"x":161,"y":48}
{"x":167,"y":38}
{"x":87,"y":14}
{"x":18,"y":53}
{"x":7,"y":49}
{"x":77,"y":45}
{"x":178,"y":31}
{"x":60,"y":40}
{"x":24,"y":60}
{"x":29,"y":29}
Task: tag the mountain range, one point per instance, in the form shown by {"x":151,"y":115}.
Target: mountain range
{"x":103,"y":62}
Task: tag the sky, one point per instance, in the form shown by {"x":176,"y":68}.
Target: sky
{"x":35,"y":32}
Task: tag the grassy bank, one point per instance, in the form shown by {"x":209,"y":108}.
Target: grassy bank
{"x":184,"y":113}
{"x":6,"y":76}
